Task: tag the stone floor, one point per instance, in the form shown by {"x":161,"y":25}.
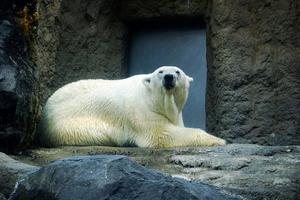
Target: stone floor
{"x":252,"y":171}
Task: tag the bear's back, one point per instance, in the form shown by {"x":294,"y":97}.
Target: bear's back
{"x":87,"y":91}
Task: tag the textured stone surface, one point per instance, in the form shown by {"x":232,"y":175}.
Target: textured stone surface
{"x":252,"y":171}
{"x":18,"y":103}
{"x":2,"y":197}
{"x":256,"y":172}
{"x":78,"y":40}
{"x":254,"y":71}
{"x":139,"y":10}
{"x":108,"y":177}
{"x":8,"y":96}
{"x":10,"y":172}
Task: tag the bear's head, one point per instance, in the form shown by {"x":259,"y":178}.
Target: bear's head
{"x":169,"y":86}
{"x":168,"y":78}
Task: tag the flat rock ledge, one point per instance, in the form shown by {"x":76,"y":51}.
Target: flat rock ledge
{"x":251,"y":171}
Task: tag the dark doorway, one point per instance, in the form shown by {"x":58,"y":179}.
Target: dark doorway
{"x":183,"y":46}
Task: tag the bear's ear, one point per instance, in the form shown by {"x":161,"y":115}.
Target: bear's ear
{"x":190,"y":79}
{"x":147,"y":81}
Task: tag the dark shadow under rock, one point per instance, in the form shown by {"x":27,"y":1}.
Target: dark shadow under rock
{"x":108,"y":177}
{"x":18,"y":88}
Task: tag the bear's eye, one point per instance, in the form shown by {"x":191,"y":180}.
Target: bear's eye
{"x":160,"y":72}
{"x":177,"y":72}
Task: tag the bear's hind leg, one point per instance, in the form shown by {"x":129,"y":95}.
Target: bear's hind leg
{"x":79,"y":131}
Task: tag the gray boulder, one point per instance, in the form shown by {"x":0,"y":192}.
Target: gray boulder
{"x":108,"y":177}
{"x":2,"y":197}
{"x":10,"y":172}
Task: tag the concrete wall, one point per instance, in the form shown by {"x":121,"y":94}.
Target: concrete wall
{"x":254,"y":71}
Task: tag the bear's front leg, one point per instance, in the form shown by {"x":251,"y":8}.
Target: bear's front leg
{"x":176,"y":136}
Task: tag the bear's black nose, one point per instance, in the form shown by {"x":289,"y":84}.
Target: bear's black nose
{"x":169,"y":82}
{"x":169,"y":78}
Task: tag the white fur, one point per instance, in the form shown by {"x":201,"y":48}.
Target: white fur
{"x":137,"y":110}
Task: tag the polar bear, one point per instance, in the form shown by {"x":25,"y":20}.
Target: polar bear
{"x":143,"y":110}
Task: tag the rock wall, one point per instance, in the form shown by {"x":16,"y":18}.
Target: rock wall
{"x":254,"y":71}
{"x":19,"y":105}
{"x":78,"y":40}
